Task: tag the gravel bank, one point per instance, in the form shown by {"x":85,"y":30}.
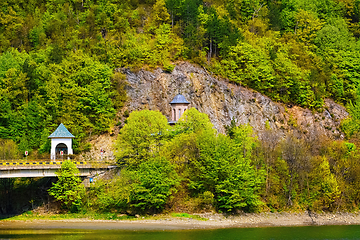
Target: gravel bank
{"x":215,"y":221}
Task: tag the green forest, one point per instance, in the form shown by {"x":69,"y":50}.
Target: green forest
{"x":59,"y":61}
{"x":58,"y":58}
{"x":190,"y":167}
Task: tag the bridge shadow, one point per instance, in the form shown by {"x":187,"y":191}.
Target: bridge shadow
{"x":20,"y":195}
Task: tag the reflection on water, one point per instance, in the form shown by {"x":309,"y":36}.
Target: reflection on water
{"x":307,"y":233}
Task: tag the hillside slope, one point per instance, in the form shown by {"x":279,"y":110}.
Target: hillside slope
{"x":221,"y":101}
{"x":57,"y":58}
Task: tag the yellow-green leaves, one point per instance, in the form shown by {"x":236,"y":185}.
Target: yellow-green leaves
{"x":307,"y":27}
{"x":324,"y":185}
{"x":160,"y":14}
{"x":249,"y":66}
{"x":68,"y":189}
{"x":8,"y":149}
{"x":142,"y":137}
{"x":194,"y":121}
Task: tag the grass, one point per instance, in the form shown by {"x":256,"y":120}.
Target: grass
{"x":89,"y":215}
{"x":29,"y":215}
{"x":186,"y":215}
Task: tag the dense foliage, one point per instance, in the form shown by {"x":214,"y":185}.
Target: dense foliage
{"x":216,"y":168}
{"x":57,"y":57}
{"x":36,"y":95}
{"x":191,"y":167}
{"x":68,"y":189}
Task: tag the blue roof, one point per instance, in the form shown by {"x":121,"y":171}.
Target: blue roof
{"x":179,"y":99}
{"x":61,"y":132}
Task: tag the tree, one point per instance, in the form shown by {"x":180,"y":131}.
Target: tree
{"x":351,"y":125}
{"x":159,"y":13}
{"x":152,"y":184}
{"x":239,"y":188}
{"x":324,"y":188}
{"x":142,"y":137}
{"x":250,"y":66}
{"x":344,"y":164}
{"x":294,"y":152}
{"x":334,"y":35}
{"x":174,"y":8}
{"x":230,"y":129}
{"x":114,"y":194}
{"x":8,"y":149}
{"x":146,"y":188}
{"x":269,"y":142}
{"x":244,"y":139}
{"x":307,"y":27}
{"x":68,"y":188}
{"x":192,"y":121}
{"x":224,"y":168}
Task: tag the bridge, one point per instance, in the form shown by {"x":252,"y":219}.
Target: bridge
{"x":48,"y":168}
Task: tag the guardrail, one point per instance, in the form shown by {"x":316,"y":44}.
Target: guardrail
{"x":50,"y":162}
{"x":35,"y":163}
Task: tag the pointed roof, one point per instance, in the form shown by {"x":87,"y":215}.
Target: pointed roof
{"x":61,"y":132}
{"x":179,"y":99}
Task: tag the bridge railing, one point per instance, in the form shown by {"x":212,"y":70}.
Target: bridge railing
{"x":32,"y":162}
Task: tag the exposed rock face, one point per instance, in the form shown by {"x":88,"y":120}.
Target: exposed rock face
{"x":222,"y":101}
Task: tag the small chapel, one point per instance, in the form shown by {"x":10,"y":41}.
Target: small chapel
{"x":178,"y":106}
{"x":61,"y":142}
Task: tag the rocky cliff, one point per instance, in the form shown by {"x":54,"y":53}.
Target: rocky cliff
{"x":222,"y":101}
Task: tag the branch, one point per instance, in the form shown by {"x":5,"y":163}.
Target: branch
{"x":257,"y":11}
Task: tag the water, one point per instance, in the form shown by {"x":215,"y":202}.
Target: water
{"x":274,"y":233}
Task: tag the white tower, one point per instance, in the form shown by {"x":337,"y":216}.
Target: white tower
{"x":61,"y":142}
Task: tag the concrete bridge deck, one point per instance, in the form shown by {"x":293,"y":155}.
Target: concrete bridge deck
{"x":47,"y":168}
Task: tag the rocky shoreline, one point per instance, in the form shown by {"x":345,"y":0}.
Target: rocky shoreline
{"x":214,"y":221}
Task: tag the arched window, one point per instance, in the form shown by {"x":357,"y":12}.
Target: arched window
{"x":61,"y":147}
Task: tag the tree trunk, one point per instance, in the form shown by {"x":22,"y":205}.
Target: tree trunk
{"x":210,"y":51}
{"x":215,"y":50}
{"x":267,"y":178}
{"x":290,"y":189}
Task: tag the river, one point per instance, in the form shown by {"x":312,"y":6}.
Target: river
{"x":273,"y":233}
